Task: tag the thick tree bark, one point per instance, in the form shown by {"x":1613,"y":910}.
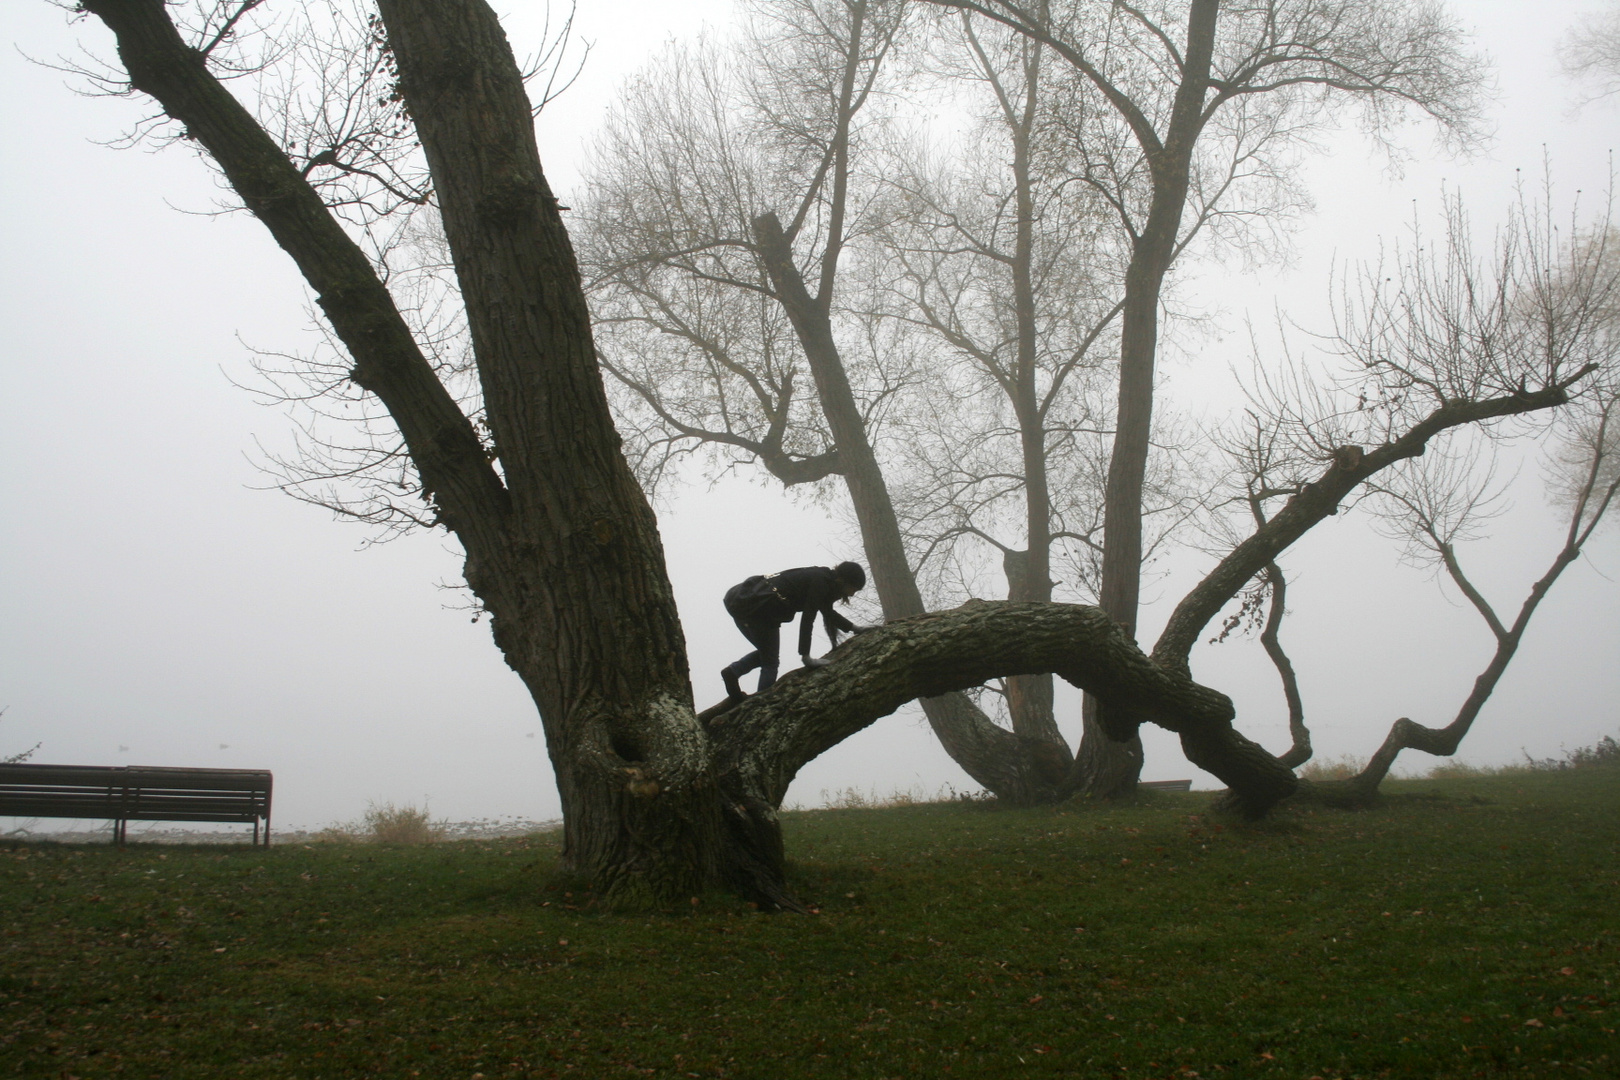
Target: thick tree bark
{"x":580,"y":599}
{"x":761,"y":743}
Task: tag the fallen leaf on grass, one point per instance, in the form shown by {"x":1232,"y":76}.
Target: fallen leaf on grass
{"x":1533,"y":1022}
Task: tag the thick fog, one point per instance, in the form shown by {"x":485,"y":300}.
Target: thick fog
{"x":158,"y":605}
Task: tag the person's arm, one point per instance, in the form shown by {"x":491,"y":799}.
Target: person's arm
{"x":834,"y":622}
{"x":807,"y":626}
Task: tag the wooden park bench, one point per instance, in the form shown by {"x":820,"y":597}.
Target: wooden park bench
{"x":1165,"y":785}
{"x":137,"y":793}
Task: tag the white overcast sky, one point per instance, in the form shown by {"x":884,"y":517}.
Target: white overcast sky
{"x":158,"y":607}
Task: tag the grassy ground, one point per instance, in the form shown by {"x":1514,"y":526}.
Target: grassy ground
{"x":1466,"y":928}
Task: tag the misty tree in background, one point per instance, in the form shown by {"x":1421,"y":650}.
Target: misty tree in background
{"x":561,"y":546}
{"x":1010,"y":279}
{"x":22,"y":755}
{"x":1590,"y":53}
{"x":727,"y":242}
{"x":1557,"y":295}
{"x":1203,"y":106}
{"x":1446,"y":332}
{"x":685,"y":286}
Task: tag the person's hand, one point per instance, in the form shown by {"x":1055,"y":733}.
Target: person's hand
{"x":814,"y":662}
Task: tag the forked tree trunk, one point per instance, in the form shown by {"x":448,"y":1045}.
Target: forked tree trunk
{"x":1406,"y":734}
{"x":561,"y":546}
{"x":579,"y":597}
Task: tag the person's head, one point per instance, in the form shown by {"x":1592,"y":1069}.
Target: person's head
{"x":851,"y":577}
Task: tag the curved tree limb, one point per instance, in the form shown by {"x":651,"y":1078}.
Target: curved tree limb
{"x":761,"y":743}
{"x":1319,"y":500}
{"x":1406,"y":734}
{"x":1300,"y":752}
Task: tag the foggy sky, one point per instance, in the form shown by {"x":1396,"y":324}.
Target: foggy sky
{"x":158,"y":606}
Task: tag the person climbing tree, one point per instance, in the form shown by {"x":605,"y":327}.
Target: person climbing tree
{"x":760,"y":606}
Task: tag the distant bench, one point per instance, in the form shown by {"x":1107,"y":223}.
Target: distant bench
{"x":137,"y":793}
{"x":1165,"y":785}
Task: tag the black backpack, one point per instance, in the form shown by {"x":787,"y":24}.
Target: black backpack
{"x":757,"y":598}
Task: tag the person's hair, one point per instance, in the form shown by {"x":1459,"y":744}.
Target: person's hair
{"x":851,"y":574}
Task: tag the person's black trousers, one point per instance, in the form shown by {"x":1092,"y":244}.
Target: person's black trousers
{"x":765,"y":635}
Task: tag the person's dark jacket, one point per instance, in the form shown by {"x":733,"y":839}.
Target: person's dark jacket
{"x":807,"y":589}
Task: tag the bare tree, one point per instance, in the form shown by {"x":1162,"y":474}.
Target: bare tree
{"x":987,"y":264}
{"x":1565,"y":303}
{"x":710,"y":303}
{"x":1449,"y":355}
{"x":1185,"y":103}
{"x":1003,"y":266}
{"x":1590,"y":53}
{"x":1259,"y":456}
{"x":561,"y":546}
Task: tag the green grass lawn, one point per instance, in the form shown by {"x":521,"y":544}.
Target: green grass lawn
{"x":1465,"y":928}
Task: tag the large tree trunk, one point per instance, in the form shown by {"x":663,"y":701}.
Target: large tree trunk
{"x":561,"y":546}
{"x":1103,"y":768}
{"x":580,"y":600}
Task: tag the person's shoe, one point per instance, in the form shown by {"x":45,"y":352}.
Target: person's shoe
{"x":734,"y":689}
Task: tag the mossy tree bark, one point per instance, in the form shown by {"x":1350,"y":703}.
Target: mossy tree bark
{"x":762,"y":742}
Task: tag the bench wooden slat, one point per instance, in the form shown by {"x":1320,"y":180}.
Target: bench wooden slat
{"x":137,"y":793}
